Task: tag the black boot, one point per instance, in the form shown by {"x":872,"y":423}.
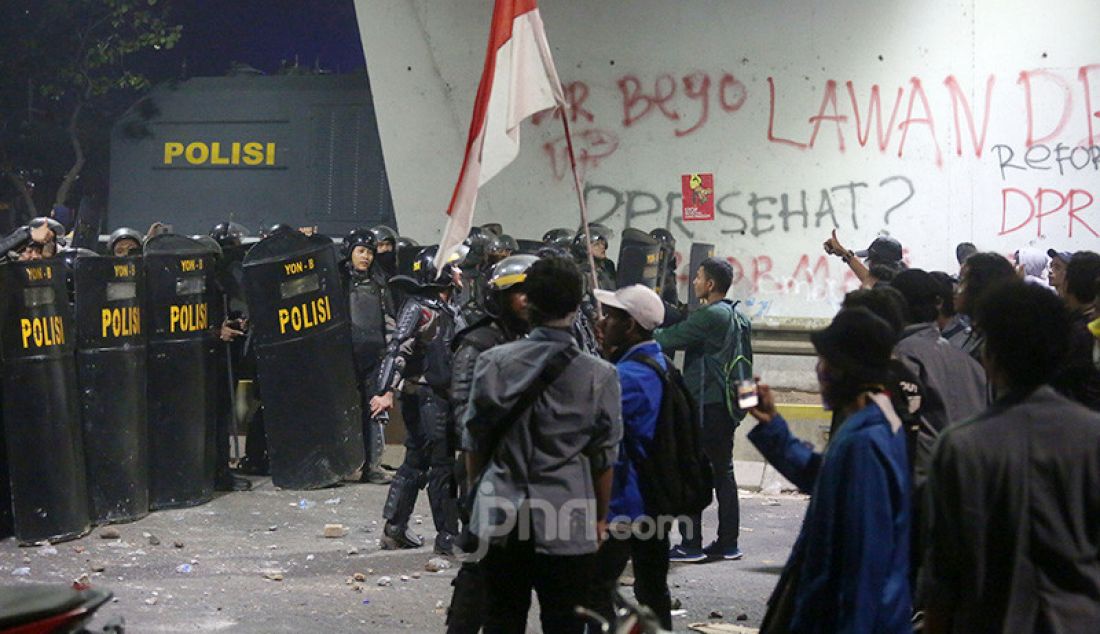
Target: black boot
{"x":399,"y":538}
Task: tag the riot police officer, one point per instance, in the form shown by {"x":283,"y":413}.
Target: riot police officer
{"x":561,"y":238}
{"x":230,"y":356}
{"x":124,"y":241}
{"x":495,"y":248}
{"x":372,"y":321}
{"x":605,"y":268}
{"x":37,"y":240}
{"x":505,"y":320}
{"x":419,"y":356}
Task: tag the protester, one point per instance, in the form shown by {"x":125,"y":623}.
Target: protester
{"x":1032,"y":265}
{"x":954,"y":326}
{"x":1056,"y":274}
{"x":963,"y":251}
{"x":883,"y":259}
{"x":1012,"y":529}
{"x":710,"y":337}
{"x":849,"y":569}
{"x":979,"y":272}
{"x":543,"y":427}
{"x":630,"y":316}
{"x":1078,"y":378}
{"x":954,"y":383}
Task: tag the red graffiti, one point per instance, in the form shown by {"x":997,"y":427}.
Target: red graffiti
{"x":591,"y":146}
{"x":1083,"y":76}
{"x":915,"y":92}
{"x":874,"y":111}
{"x":575,"y":93}
{"x":829,"y":99}
{"x":697,"y":87}
{"x":1067,"y":103}
{"x":1040,"y":206}
{"x":771,"y":121}
{"x":957,"y":97}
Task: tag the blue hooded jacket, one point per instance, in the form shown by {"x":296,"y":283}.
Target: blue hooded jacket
{"x":853,"y":549}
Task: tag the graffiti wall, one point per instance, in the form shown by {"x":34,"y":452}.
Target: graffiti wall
{"x":936,"y":122}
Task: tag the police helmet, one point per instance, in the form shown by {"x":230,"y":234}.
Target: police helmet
{"x":598,"y":232}
{"x":494,"y":228}
{"x":478,"y":240}
{"x":276,"y":228}
{"x":508,"y":274}
{"x":425,"y":273}
{"x":359,"y":237}
{"x":227,"y":234}
{"x":382,"y":233}
{"x":664,"y":236}
{"x":404,"y":241}
{"x":124,"y":233}
{"x":503,"y":244}
{"x":510,"y":271}
{"x":56,"y":227}
{"x":558,"y":237}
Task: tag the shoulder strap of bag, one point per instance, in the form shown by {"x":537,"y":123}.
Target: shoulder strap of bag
{"x":550,"y":373}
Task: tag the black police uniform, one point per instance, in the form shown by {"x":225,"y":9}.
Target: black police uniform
{"x":467,"y":609}
{"x":370,"y":307}
{"x":419,"y":355}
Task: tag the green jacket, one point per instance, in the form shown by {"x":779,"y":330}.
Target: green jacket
{"x":703,"y":337}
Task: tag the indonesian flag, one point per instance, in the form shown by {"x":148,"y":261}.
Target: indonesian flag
{"x":517,"y":82}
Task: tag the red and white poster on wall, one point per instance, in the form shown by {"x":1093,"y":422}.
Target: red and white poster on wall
{"x":698,"y":196}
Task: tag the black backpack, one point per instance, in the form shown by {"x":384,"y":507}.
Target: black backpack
{"x":676,"y":476}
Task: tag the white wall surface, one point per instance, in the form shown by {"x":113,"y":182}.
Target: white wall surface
{"x":742,"y":82}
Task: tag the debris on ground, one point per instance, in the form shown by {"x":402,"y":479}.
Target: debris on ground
{"x":435,"y":564}
{"x":404,"y":578}
{"x":183,"y":569}
{"x":359,"y":577}
{"x":353,"y":551}
{"x":273,"y":575}
{"x":21,"y":572}
{"x":715,"y":614}
{"x":770,"y":502}
{"x":385,"y":581}
{"x":742,"y":617}
{"x":333,"y":501}
{"x":151,"y":601}
{"x":178,"y":544}
{"x":98,"y":567}
{"x":335,"y":530}
{"x":109,"y":532}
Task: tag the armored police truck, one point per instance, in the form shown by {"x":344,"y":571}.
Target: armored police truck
{"x":259,"y":150}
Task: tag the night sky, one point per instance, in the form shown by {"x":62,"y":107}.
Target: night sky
{"x":263,"y":33}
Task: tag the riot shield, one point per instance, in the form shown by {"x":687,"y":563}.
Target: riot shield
{"x":179,"y":293}
{"x":699,"y":252}
{"x":304,"y":360}
{"x":639,"y":259}
{"x":111,"y":366}
{"x":49,"y":491}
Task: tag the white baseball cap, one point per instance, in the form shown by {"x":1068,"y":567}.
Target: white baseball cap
{"x":638,"y":301}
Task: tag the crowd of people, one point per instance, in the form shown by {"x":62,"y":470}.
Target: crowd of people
{"x":959,"y":490}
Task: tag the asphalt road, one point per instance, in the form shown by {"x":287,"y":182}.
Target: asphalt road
{"x":258,"y":562}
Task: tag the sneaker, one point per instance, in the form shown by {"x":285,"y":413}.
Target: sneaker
{"x":687,"y":554}
{"x":731,"y":553}
{"x":400,"y":538}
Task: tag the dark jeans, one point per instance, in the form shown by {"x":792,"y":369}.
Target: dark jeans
{"x":513,"y":568}
{"x":650,"y":575}
{"x":718,"y":430}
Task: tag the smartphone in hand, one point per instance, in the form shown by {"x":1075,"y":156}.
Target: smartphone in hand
{"x":747,"y":395}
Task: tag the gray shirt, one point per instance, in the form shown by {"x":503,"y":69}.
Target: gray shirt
{"x":541,"y":470}
{"x":1012,"y":509}
{"x":955,"y":387}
